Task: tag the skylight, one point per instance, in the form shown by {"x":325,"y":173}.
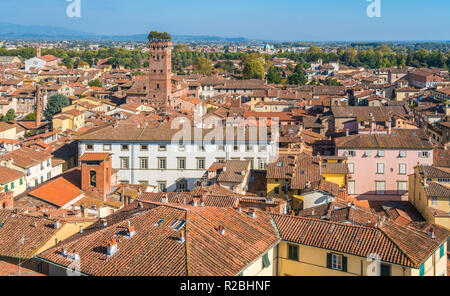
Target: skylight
{"x":178,"y":224}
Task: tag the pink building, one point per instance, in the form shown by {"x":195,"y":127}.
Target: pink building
{"x":379,"y":164}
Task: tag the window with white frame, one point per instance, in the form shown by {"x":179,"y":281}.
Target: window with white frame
{"x":434,"y":201}
{"x":351,"y":187}
{"x":162,"y":163}
{"x":380,"y":168}
{"x":351,"y":167}
{"x":350,"y":153}
{"x":402,"y":168}
{"x":424,"y":154}
{"x":200,"y":163}
{"x":124,"y":162}
{"x":336,"y":261}
{"x":143,"y":163}
{"x":162,"y":186}
{"x":380,"y":153}
{"x":402,"y":154}
{"x":107,"y":147}
{"x":380,"y":187}
{"x":402,"y":187}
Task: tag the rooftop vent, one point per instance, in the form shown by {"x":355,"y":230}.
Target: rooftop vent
{"x":111,"y":247}
{"x":221,"y":230}
{"x":252,"y":213}
{"x":103,"y":223}
{"x":182,"y":238}
{"x":131,"y":230}
{"x":57,"y":224}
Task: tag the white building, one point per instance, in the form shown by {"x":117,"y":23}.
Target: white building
{"x":34,"y":63}
{"x":148,"y":156}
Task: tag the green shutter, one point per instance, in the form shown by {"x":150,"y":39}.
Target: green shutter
{"x":441,"y":251}
{"x":422,"y":270}
{"x":344,"y":264}
{"x":329,"y":260}
{"x":385,"y":270}
{"x":6,"y":188}
{"x":12,"y":185}
{"x":266,"y":261}
{"x":21,"y":181}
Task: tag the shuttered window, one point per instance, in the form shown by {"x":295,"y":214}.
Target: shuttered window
{"x":422,"y":270}
{"x":337,"y":262}
{"x":293,"y":252}
{"x":385,"y":269}
{"x":265,"y":260}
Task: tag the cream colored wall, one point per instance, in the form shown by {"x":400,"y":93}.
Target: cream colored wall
{"x":67,"y":229}
{"x":9,"y":134}
{"x":256,"y":268}
{"x":313,"y":262}
{"x":18,"y":189}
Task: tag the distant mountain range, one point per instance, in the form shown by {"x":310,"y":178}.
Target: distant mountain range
{"x":27,"y":32}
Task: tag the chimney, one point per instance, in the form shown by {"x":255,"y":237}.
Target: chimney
{"x":221,"y":230}
{"x":131,"y":230}
{"x":81,"y":229}
{"x":164,"y":199}
{"x":182,"y":238}
{"x":57,"y":224}
{"x":111,"y":247}
{"x":346,"y":132}
{"x":432,"y":235}
{"x":103,"y":223}
{"x":38,"y":105}
{"x":252,"y":213}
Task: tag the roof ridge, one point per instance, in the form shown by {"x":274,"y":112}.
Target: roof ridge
{"x":395,"y":243}
{"x":325,"y":221}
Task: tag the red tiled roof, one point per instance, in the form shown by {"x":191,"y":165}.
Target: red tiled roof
{"x":94,"y":156}
{"x":393,"y":243}
{"x":14,"y":226}
{"x":60,"y":190}
{"x":155,"y":249}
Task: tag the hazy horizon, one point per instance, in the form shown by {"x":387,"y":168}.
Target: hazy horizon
{"x":283,"y":20}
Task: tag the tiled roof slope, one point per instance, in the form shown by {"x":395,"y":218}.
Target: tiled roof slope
{"x":434,"y":172}
{"x":386,"y":141}
{"x":187,"y":198}
{"x":13,"y":226}
{"x":156,"y":250}
{"x":436,"y":189}
{"x":392,"y":242}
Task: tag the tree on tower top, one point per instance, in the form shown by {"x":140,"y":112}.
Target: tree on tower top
{"x":155,"y":35}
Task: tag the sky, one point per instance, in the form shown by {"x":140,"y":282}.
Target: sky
{"x":281,"y":20}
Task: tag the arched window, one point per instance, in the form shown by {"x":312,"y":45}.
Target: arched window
{"x":93,"y":178}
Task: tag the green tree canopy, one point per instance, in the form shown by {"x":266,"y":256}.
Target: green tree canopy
{"x":298,"y":77}
{"x":253,"y":70}
{"x":273,"y":76}
{"x":203,"y":66}
{"x":55,"y":105}
{"x":95,"y":83}
{"x":10,"y":115}
{"x":30,"y":117}
{"x":155,"y":35}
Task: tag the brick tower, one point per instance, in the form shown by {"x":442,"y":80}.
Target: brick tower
{"x":96,"y":173}
{"x":160,"y":79}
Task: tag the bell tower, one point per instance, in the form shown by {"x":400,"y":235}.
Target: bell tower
{"x":96,"y":172}
{"x":160,"y":66}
